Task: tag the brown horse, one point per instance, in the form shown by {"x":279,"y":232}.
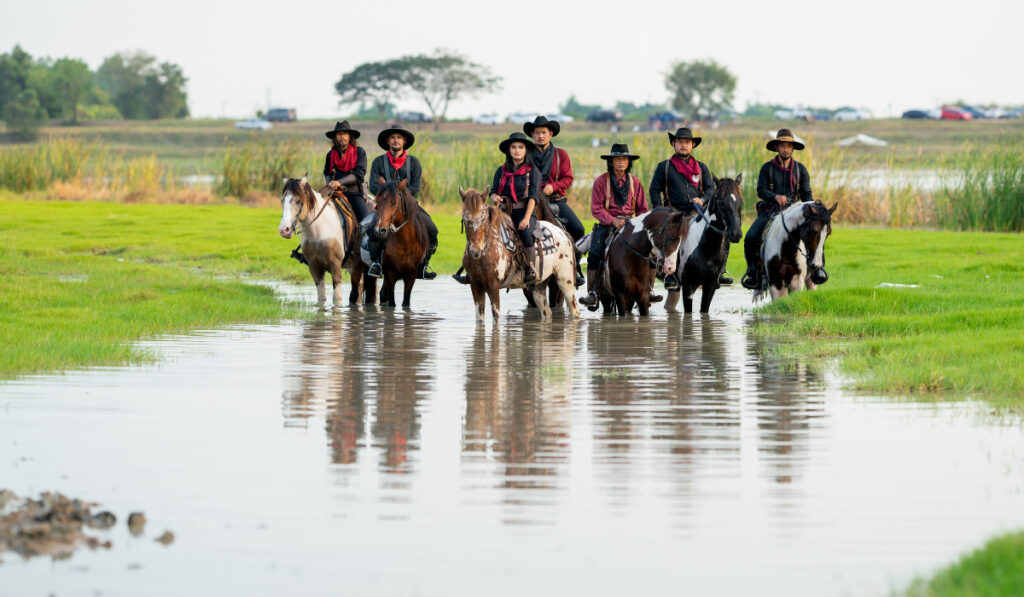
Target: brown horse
{"x":492,"y":265}
{"x":328,"y":240}
{"x":626,"y":277}
{"x":402,"y":227}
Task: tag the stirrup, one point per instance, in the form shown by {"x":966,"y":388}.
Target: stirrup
{"x":375,"y":271}
{"x":724,"y":279}
{"x":426,"y":273}
{"x":461,"y":278}
{"x":672,"y":283}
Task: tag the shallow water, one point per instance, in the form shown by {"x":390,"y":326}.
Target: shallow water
{"x":390,"y":452}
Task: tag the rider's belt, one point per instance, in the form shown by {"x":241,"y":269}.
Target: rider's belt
{"x":556,"y":198}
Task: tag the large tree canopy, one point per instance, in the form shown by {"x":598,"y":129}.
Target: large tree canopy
{"x":700,"y":87}
{"x":444,"y":76}
{"x":376,"y":83}
{"x":143,"y":89}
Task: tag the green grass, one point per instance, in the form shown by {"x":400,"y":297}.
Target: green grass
{"x":995,"y":570}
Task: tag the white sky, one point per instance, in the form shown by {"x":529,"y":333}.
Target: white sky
{"x":883,"y":55}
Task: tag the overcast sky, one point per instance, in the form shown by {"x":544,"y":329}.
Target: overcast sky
{"x":886,"y":56}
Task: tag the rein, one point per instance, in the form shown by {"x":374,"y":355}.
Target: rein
{"x":652,"y":260}
{"x":701,"y":214}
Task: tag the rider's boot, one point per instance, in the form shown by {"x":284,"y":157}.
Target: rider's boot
{"x":376,"y":249}
{"x":672,"y":283}
{"x":724,"y":279}
{"x":590,"y":301}
{"x":459,"y":277}
{"x":425,"y":273}
{"x":580,"y":280}
{"x":752,"y":278}
{"x":529,"y":274}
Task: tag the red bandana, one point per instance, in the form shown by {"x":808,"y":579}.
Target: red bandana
{"x":398,"y":162}
{"x":505,"y":175}
{"x":689,"y":169}
{"x":346,"y":163}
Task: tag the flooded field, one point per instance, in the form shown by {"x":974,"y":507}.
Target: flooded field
{"x":381,"y":451}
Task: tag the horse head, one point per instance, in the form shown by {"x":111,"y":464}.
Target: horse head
{"x":666,"y":229}
{"x":475,"y":216}
{"x":816,"y":228}
{"x":395,"y":206}
{"x":727,"y":204}
{"x":297,"y":201}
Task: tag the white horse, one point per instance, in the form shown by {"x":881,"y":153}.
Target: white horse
{"x":793,"y":252}
{"x":326,"y":238}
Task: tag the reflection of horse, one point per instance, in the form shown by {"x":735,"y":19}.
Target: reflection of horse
{"x":326,"y":239}
{"x":627,"y":277}
{"x":793,"y":251}
{"x":402,"y":225}
{"x":492,"y":265}
{"x":707,"y":245}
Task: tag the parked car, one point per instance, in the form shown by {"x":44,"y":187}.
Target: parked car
{"x":915,"y":114}
{"x":848,"y":114}
{"x":1012,"y":113}
{"x":521,"y":117}
{"x":792,"y":114}
{"x":412,"y":117}
{"x":951,"y":113}
{"x":254,"y":124}
{"x":560,"y":118}
{"x":280,"y":115}
{"x":604,"y":116}
{"x":490,"y":119}
{"x":975,"y":112}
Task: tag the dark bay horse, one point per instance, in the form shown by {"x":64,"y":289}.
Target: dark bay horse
{"x":793,"y":251}
{"x":402,"y":226}
{"x":627,"y":276}
{"x":706,"y":249}
{"x":492,"y":265}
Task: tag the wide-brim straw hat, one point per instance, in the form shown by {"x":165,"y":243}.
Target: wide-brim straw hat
{"x":342,"y":127}
{"x":514,"y":137}
{"x":684,"y":133}
{"x":382,"y":137}
{"x":620,"y":150}
{"x":784,"y":135}
{"x":551,"y":125}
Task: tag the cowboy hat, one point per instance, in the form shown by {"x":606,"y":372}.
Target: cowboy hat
{"x":382,"y":137}
{"x":517,"y":137}
{"x":684,"y":133}
{"x":551,"y":125}
{"x":342,"y":127}
{"x":620,"y":150}
{"x":784,"y":135}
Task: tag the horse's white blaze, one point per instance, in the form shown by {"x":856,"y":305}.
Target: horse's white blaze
{"x":819,"y":252}
{"x":284,"y":228}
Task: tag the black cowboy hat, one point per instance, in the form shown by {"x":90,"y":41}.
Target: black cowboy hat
{"x":517,"y":136}
{"x":551,"y":125}
{"x":382,"y":137}
{"x":684,"y":133}
{"x":620,"y":150}
{"x":342,"y":127}
{"x":784,"y":135}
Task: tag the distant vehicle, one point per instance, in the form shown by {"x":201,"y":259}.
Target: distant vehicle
{"x":951,"y":113}
{"x":254,"y":124}
{"x":604,"y":116}
{"x":666,"y":116}
{"x":915,"y":114}
{"x":280,"y":115}
{"x":792,"y":114}
{"x":560,"y":118}
{"x":1012,"y":113}
{"x":821,"y":116}
{"x":490,"y":119}
{"x":848,"y":114}
{"x":412,"y":117}
{"x":975,"y":112}
{"x":521,"y":117}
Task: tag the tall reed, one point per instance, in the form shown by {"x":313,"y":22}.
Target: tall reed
{"x":983,"y":189}
{"x":261,"y":166}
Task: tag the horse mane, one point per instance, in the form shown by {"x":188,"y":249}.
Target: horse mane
{"x":304,"y":191}
{"x":474,"y":199}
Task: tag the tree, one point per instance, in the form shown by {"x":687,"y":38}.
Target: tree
{"x":444,"y":76}
{"x":700,"y":87}
{"x":24,"y":115}
{"x":72,"y":81}
{"x":14,"y":69}
{"x":142,"y":89}
{"x":375,"y":82}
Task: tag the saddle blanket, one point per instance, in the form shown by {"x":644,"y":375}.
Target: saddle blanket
{"x":543,"y":239}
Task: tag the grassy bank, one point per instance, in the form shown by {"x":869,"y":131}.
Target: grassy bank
{"x":995,"y":570}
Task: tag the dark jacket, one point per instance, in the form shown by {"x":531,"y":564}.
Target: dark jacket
{"x":410,"y":170}
{"x":772,"y":181}
{"x":536,"y":188}
{"x":359,"y":171}
{"x":680,"y":190}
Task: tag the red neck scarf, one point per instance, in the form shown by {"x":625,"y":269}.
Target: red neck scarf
{"x":505,"y":175}
{"x":690,"y":169}
{"x":398,"y":162}
{"x":346,"y":162}
{"x":788,"y":170}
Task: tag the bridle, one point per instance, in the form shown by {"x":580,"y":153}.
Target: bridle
{"x":473,"y":224}
{"x":400,"y":209}
{"x":803,"y":225}
{"x":658,"y":251}
{"x":302,"y":208}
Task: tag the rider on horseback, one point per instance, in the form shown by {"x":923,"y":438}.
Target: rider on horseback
{"x":517,"y":187}
{"x":394,"y":166}
{"x":680,"y":182}
{"x":782,"y":181}
{"x":616,"y":197}
{"x":345,"y":166}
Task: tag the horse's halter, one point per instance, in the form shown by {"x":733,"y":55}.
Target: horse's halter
{"x":399,"y":209}
{"x":795,"y":239}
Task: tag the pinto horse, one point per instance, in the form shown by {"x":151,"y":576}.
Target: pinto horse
{"x":706,"y":249}
{"x":492,"y":265}
{"x":626,"y":277}
{"x":793,"y":251}
{"x":326,"y":238}
{"x":401,"y":225}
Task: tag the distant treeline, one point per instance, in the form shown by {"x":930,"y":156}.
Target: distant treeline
{"x":128,"y":85}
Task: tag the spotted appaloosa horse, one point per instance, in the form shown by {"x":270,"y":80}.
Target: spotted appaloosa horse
{"x":401,"y":223}
{"x":326,"y":239}
{"x":706,"y":248}
{"x":793,"y":251}
{"x":491,"y":266}
{"x":626,"y":277}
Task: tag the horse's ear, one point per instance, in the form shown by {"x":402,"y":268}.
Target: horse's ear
{"x":833,"y":208}
{"x":285,"y":180}
{"x":302,"y":182}
{"x":462,"y":193}
{"x":739,"y":178}
{"x":403,"y":184}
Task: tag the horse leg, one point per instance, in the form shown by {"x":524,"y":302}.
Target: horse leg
{"x":540,"y":297}
{"x":707,"y":293}
{"x":687,"y":293}
{"x":672,"y":300}
{"x":567,"y":288}
{"x":555,"y":292}
{"x":494,"y":293}
{"x":810,"y":285}
{"x":355,"y":274}
{"x":479,"y":297}
{"x":318,"y":279}
{"x":389,"y":288}
{"x":530,"y":303}
{"x":407,"y":288}
{"x":369,"y":287}
{"x":778,"y":293}
{"x":644,"y":306}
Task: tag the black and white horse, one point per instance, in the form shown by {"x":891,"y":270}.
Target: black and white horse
{"x":706,"y":250}
{"x":793,"y":251}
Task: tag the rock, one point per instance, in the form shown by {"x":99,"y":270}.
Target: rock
{"x":167,"y":538}
{"x":137,"y":522}
{"x":102,"y":520}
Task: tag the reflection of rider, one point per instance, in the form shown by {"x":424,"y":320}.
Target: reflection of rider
{"x":616,"y":197}
{"x":518,"y":184}
{"x":781,"y":181}
{"x":682,"y":181}
{"x":395,"y":166}
{"x":345,"y":166}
